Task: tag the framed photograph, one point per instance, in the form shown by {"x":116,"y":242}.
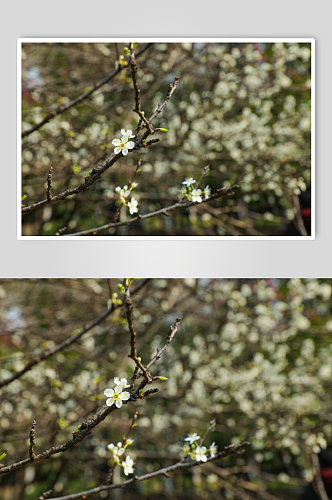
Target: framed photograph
{"x":166,"y":138}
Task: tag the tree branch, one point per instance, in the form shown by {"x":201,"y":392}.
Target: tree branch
{"x":318,"y":478}
{"x":105,"y":165}
{"x":133,"y":350}
{"x":163,"y":211}
{"x":228,"y":450}
{"x":62,"y":109}
{"x":48,"y":353}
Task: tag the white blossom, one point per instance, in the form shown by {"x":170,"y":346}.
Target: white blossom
{"x":196,"y":195}
{"x":116,"y":396}
{"x":192,"y":437}
{"x":200,"y":454}
{"x":189,"y":181}
{"x":123,"y":382}
{"x":124,"y":193}
{"x":128,"y":133}
{"x":123,"y":145}
{"x":213,"y":449}
{"x":132,"y":205}
{"x":128,"y":465}
{"x":207,"y":191}
{"x":116,"y":450}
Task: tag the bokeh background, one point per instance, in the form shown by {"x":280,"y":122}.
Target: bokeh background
{"x":254,"y":353}
{"x":243,"y":108}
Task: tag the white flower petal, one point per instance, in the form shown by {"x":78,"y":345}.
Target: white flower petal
{"x":129,"y":133}
{"x":123,"y":131}
{"x":108,"y":392}
{"x":130,"y":145}
{"x":118,"y":403}
{"x":109,"y":401}
{"x":125,"y":151}
{"x":125,"y":395}
{"x":111,"y":447}
{"x":116,"y":142}
{"x":117,"y":150}
{"x":124,"y":138}
{"x":118,"y":388}
{"x":116,"y":379}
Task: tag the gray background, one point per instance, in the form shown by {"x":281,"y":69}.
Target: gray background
{"x":180,"y":18}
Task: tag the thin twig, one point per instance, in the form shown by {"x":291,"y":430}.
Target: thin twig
{"x":163,"y":211}
{"x":32,"y":441}
{"x":62,"y":109}
{"x":133,"y":424}
{"x":49,"y":185}
{"x":172,"y":331}
{"x":205,"y":171}
{"x":228,"y":450}
{"x":211,"y":425}
{"x":47,"y":353}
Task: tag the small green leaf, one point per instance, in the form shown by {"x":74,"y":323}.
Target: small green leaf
{"x":79,"y":427}
{"x":141,"y":391}
{"x":163,"y":129}
{"x":2,"y":456}
{"x":126,"y":50}
{"x":163,"y":378}
{"x":120,"y":288}
{"x":56,"y":383}
{"x":23,"y":197}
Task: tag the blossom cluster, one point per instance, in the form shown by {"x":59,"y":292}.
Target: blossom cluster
{"x":197,"y":452}
{"x":116,"y":395}
{"x":124,"y":193}
{"x":193,"y":194}
{"x":117,"y":451}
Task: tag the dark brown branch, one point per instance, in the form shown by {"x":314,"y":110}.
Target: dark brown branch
{"x":48,"y":353}
{"x":163,"y":211}
{"x":318,"y":478}
{"x":62,"y":109}
{"x":137,"y":108}
{"x":228,"y":450}
{"x":299,"y":219}
{"x":49,"y":185}
{"x":133,"y":350}
{"x":32,"y":441}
